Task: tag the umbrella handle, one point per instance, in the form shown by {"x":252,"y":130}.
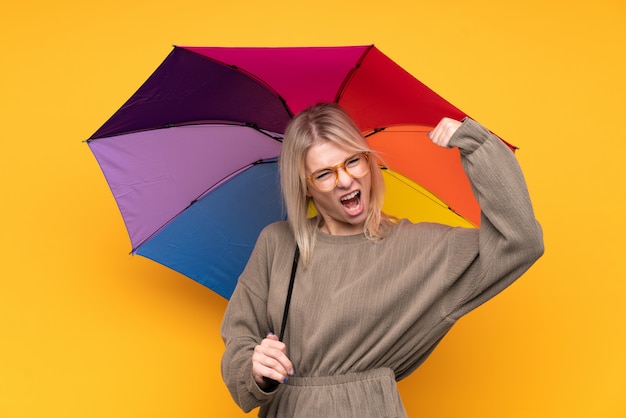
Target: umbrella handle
{"x":294,"y":267}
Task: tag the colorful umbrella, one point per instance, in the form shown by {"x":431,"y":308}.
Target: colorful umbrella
{"x":191,"y":156}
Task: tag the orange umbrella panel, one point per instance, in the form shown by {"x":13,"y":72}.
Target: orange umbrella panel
{"x":407,"y":150}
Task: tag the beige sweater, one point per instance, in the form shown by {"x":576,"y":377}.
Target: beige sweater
{"x":365,"y":314}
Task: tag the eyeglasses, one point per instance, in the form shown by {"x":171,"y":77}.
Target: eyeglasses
{"x":326,"y":179}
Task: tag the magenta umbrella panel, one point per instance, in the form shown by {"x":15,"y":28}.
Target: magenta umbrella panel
{"x":191,"y":157}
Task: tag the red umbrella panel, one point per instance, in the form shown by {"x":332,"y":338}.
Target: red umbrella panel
{"x":191,"y":156}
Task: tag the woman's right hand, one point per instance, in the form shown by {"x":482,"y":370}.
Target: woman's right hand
{"x":270,"y":360}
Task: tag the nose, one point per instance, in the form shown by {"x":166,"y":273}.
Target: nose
{"x":343,"y":178}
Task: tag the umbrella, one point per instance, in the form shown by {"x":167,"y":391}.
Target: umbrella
{"x":191,"y":157}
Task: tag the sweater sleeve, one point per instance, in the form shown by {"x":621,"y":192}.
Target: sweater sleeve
{"x":242,"y":329}
{"x":509,"y":239}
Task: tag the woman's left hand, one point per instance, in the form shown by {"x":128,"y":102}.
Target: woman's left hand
{"x":443,"y":131}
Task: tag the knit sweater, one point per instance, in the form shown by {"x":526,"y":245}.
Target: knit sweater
{"x":364,"y":314}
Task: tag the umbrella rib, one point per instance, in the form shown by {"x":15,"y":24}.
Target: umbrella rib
{"x":255,"y":78}
{"x":431,"y":198}
{"x":231,"y":175}
{"x":204,"y":193}
{"x":264,"y":84}
{"x":269,"y":134}
{"x":267,"y":86}
{"x":351,"y":73}
{"x":374,"y":131}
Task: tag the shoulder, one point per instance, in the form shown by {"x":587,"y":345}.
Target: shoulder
{"x":275,"y":234}
{"x":276,"y":229}
{"x":406,"y":227}
{"x":427,"y":233}
{"x":270,"y":244}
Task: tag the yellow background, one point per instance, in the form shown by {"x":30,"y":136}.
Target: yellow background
{"x":88,"y":331}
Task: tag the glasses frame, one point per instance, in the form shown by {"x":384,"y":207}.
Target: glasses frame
{"x":336,"y":168}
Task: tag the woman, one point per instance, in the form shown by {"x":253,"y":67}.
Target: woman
{"x":372,"y":296}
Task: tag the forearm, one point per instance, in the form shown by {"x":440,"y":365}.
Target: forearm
{"x":237,"y":374}
{"x":499,"y":186}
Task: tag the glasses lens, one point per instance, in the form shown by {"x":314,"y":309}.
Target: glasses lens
{"x":357,"y":165}
{"x":324,"y":180}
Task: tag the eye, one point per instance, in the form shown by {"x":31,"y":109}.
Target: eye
{"x":322,"y":175}
{"x":353,"y":161}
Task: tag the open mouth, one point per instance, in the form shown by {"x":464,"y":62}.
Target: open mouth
{"x":352,"y":201}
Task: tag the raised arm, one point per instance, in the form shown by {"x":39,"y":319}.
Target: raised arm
{"x":509,"y":239}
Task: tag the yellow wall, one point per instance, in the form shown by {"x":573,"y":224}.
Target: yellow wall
{"x":88,"y":331}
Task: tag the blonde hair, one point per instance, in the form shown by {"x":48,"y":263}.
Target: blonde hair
{"x":324,"y":122}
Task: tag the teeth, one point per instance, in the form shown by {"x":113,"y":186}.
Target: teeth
{"x":350,"y":196}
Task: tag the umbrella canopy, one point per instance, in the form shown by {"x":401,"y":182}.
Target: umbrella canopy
{"x":191,"y":156}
